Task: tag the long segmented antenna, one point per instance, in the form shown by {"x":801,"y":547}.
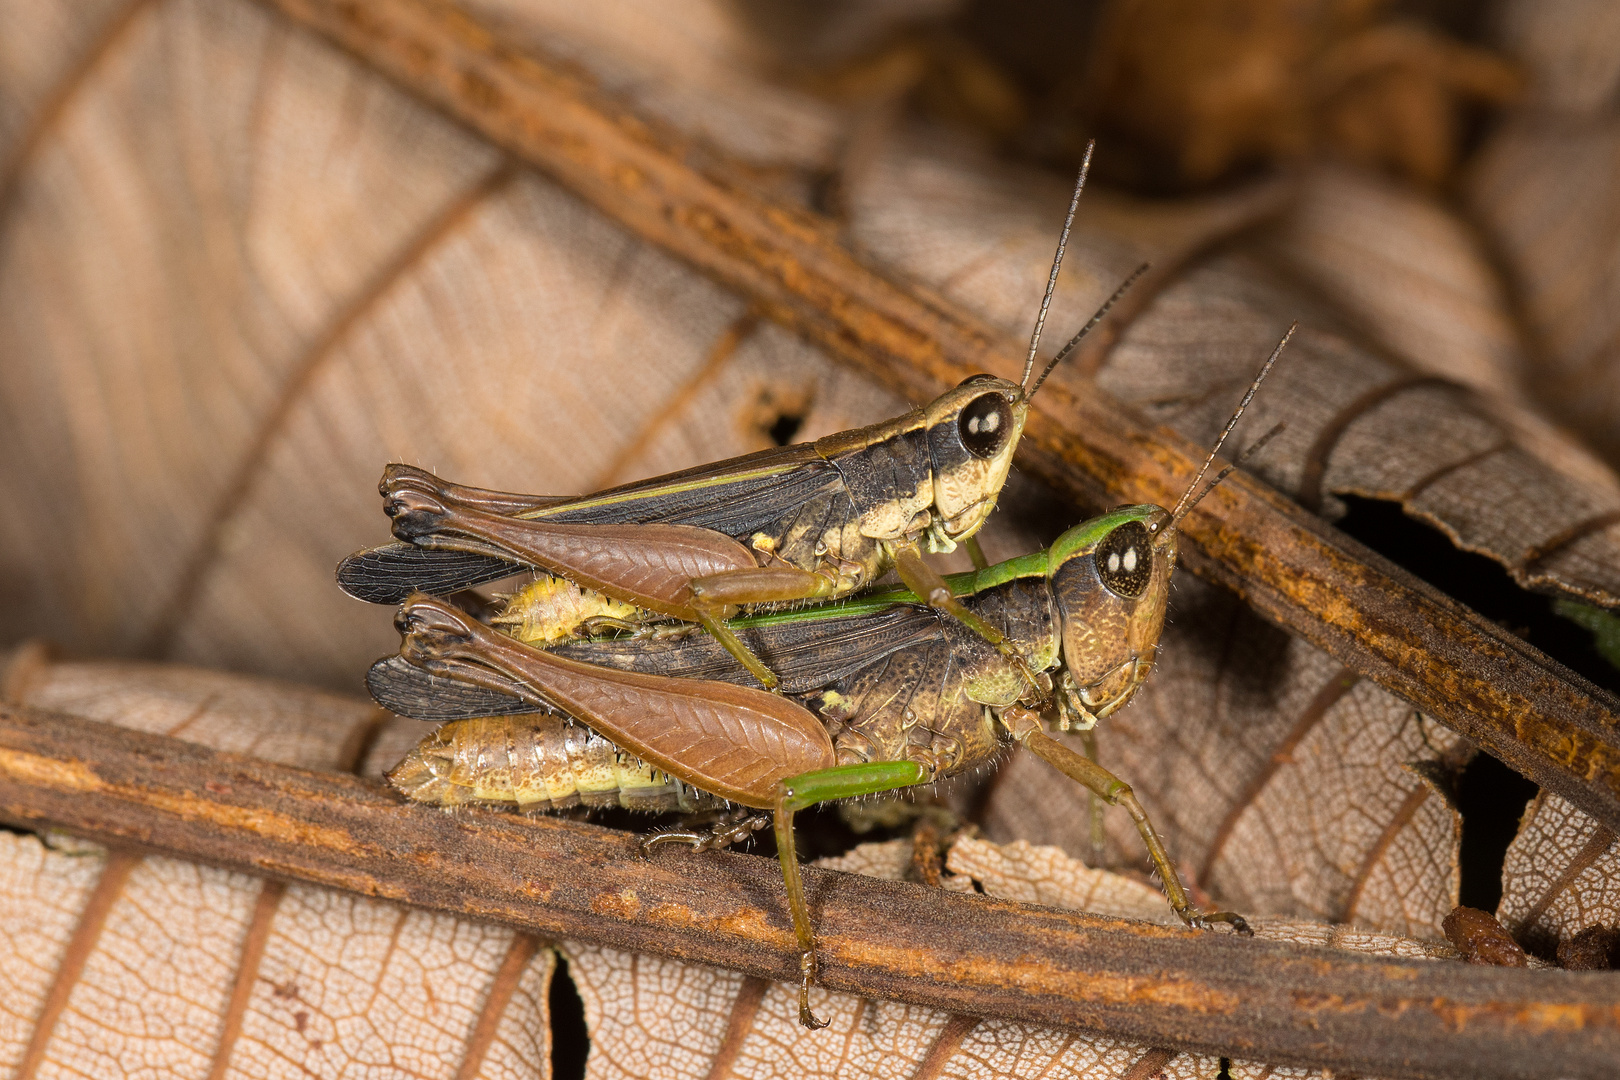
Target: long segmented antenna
{"x":1086,"y":329}
{"x":1057,"y":263}
{"x":1254,"y":448}
{"x":1182,"y":506}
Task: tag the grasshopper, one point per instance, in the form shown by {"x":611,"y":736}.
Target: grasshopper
{"x":815,"y":521}
{"x":879,"y":692}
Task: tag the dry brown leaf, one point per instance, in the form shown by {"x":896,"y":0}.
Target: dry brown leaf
{"x":262,"y":717}
{"x":334,"y":331}
{"x":1561,"y":876}
{"x":697,"y":69}
{"x":1418,"y":283}
{"x":1544,"y":191}
{"x":1571,"y":51}
{"x":323,"y":981}
{"x":121,"y":965}
{"x":1488,"y":473}
{"x":1361,"y":423}
{"x":704,"y":1017}
{"x":220,"y":475}
{"x":1214,"y":85}
{"x":656,"y":1017}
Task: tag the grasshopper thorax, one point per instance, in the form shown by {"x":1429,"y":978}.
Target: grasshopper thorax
{"x":973,"y":430}
{"x":1110,"y":580}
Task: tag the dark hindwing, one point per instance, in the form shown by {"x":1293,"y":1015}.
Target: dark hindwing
{"x":807,"y":654}
{"x":768,"y":489}
{"x":401,"y":687}
{"x":390,"y":573}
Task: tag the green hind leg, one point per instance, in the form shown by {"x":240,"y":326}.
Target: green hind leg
{"x":800,"y":793}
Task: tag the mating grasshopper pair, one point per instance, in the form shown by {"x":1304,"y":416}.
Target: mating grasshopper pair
{"x":877,"y":693}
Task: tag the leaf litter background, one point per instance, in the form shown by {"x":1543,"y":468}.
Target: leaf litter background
{"x":241,"y":271}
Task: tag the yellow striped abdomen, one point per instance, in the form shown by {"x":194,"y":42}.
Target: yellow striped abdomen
{"x":536,"y":762}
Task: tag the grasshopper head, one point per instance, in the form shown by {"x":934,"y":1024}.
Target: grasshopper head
{"x":1110,"y":577}
{"x":972,"y":433}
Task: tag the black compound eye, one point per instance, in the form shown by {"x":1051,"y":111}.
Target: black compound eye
{"x":986,"y":425}
{"x":1125,"y":559}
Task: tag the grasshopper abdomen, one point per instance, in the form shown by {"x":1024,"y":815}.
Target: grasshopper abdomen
{"x":536,"y":762}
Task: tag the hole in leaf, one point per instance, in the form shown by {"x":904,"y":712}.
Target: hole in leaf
{"x":776,"y":412}
{"x":1477,"y":581}
{"x":570,"y":1041}
{"x":785,"y":428}
{"x":1491,"y":798}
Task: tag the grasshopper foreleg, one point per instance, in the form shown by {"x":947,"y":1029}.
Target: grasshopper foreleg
{"x":933,"y":590}
{"x":976,"y":553}
{"x":720,"y":836}
{"x":1094,"y":806}
{"x":1025,"y":727}
{"x":717,"y":595}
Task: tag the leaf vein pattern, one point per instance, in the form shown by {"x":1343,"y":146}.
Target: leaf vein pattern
{"x":247,"y":974}
{"x":724,"y":348}
{"x":120,"y":864}
{"x":944,"y":1047}
{"x":56,"y":105}
{"x":1596,"y":845}
{"x":1328,"y":696}
{"x":1432,"y":478}
{"x":1149,"y":1064}
{"x":1579,"y":531}
{"x":1316,"y":459}
{"x":744,"y":1010}
{"x":505,"y":984}
{"x":1402,"y":818}
{"x":234,"y":496}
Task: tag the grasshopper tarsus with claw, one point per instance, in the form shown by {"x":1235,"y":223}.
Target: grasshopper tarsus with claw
{"x":733,"y":831}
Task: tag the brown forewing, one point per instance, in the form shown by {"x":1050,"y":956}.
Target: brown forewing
{"x":733,"y":741}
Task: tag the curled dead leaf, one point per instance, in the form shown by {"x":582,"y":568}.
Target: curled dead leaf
{"x":1561,"y":876}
